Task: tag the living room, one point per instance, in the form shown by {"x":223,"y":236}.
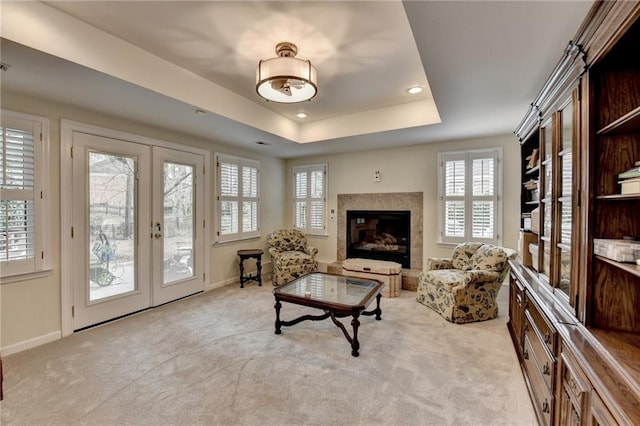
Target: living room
{"x":39,"y":310}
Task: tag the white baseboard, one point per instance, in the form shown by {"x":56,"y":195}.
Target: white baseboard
{"x":31,"y":343}
{"x":211,"y":286}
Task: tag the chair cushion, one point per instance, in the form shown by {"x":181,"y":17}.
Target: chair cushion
{"x":446,"y":278}
{"x":289,"y":258}
{"x":462,"y":254}
{"x":489,"y":258}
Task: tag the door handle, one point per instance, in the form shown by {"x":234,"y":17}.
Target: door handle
{"x":157,"y":235}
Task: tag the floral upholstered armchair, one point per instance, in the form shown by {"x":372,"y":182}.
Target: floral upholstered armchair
{"x":464,"y":288}
{"x":291,"y":257}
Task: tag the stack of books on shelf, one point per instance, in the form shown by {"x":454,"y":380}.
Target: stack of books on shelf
{"x":532,"y":185}
{"x":533,"y":159}
{"x":630,"y":180}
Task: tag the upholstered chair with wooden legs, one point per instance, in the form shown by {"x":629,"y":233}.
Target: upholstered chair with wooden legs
{"x":464,"y":288}
{"x":291,"y":256}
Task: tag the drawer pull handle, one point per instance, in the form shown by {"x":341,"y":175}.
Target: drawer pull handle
{"x":547,"y":338}
{"x":546,"y":369}
{"x":525,"y":354}
{"x":526,"y":326}
{"x":545,"y":406}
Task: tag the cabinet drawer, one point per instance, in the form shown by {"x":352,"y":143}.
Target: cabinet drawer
{"x":543,"y":327}
{"x":545,"y":361}
{"x":541,"y":397}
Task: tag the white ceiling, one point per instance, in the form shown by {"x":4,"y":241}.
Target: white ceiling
{"x":155,"y":62}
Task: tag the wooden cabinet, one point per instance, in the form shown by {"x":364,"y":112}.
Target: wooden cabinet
{"x":573,"y":391}
{"x":580,"y":341}
{"x":516,"y":311}
{"x":539,"y":359}
{"x":599,"y":414}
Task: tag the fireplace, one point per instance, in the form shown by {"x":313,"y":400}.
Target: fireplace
{"x":380,"y":235}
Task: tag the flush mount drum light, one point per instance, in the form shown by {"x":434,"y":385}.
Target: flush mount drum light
{"x":286,"y":79}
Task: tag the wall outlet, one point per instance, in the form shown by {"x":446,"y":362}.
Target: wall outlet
{"x":376,"y":176}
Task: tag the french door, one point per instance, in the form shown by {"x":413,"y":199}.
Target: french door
{"x":135,"y":236}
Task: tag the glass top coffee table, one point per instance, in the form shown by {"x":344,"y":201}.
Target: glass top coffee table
{"x":336,"y":295}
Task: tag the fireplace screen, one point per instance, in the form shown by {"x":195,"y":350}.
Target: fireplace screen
{"x":381,"y":235}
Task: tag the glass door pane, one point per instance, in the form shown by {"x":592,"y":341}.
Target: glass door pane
{"x":112,"y":224}
{"x":177,"y":224}
{"x":546,"y":203}
{"x":178,"y":202}
{"x":565,"y":199}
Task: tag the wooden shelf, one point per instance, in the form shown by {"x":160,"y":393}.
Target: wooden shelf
{"x":627,"y":267}
{"x":619,"y":197}
{"x":628,"y":123}
{"x":624,"y":347}
{"x":533,"y":203}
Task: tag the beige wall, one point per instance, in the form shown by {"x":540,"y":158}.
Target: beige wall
{"x":410,"y":169}
{"x":31,"y":309}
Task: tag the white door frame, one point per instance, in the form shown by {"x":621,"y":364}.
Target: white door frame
{"x":67,"y":127}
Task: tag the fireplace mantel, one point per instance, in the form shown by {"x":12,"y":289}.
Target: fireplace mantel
{"x":411,"y":201}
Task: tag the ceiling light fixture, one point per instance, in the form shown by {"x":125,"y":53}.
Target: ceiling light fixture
{"x":286,"y":79}
{"x":414,"y":90}
{"x":301,"y":115}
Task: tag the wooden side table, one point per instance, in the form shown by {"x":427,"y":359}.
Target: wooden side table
{"x":248,"y":254}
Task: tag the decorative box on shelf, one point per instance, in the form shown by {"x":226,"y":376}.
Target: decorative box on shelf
{"x":618,"y":250}
{"x":630,"y":186}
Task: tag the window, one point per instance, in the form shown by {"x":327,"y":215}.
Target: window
{"x":23,"y":176}
{"x":238,"y":185}
{"x":310,"y":200}
{"x":470,"y":206}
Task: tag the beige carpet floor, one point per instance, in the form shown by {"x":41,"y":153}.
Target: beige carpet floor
{"x":214,"y":359}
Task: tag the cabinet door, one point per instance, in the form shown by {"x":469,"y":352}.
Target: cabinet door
{"x":565,"y":202}
{"x":546,"y":202}
{"x":573,"y":390}
{"x":599,"y":414}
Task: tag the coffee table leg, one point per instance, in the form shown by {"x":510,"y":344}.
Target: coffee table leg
{"x":355,"y":345}
{"x":378,"y":310}
{"x":278,"y":305}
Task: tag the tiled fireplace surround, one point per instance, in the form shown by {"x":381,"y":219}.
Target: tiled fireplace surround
{"x":411,"y":201}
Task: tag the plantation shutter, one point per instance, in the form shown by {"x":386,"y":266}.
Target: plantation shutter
{"x":310,"y":198}
{"x":250,"y":199}
{"x":238,"y":198}
{"x":483,"y":217}
{"x":469,"y":196}
{"x":454,"y":191}
{"x":20,"y":145}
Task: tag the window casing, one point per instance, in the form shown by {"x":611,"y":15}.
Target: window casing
{"x":310,"y":199}
{"x":469,"y":186}
{"x":238,"y":201}
{"x":24,"y":147}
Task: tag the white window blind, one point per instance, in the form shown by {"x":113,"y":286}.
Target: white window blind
{"x":310,"y":201}
{"x":238,"y":198}
{"x":23,"y":142}
{"x":469,"y":201}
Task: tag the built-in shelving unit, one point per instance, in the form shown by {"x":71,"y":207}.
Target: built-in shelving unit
{"x":583,"y":308}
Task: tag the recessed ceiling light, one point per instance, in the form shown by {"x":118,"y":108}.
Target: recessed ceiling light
{"x":414,"y":90}
{"x":301,"y":115}
{"x":200,"y":112}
